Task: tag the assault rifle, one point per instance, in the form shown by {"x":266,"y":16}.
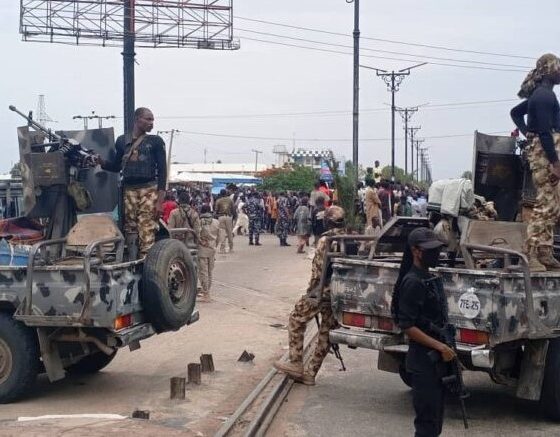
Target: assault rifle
{"x":453,"y":379}
{"x":70,"y":148}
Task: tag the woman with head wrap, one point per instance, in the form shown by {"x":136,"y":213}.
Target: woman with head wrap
{"x":542,"y":129}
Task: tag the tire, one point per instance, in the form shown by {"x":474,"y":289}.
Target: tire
{"x":168,"y":285}
{"x":91,"y":364}
{"x":405,"y":375}
{"x":550,"y":392}
{"x":19,"y":358}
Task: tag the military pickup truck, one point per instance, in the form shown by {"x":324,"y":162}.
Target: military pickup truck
{"x":80,"y":293}
{"x":507,"y":319}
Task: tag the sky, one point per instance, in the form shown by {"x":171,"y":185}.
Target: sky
{"x":218,"y":100}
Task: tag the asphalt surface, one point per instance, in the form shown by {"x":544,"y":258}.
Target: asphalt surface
{"x":364,"y":401}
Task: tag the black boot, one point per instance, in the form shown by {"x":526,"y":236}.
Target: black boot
{"x":257,"y":243}
{"x":286,"y":242}
{"x":250,"y":241}
{"x":282,"y":243}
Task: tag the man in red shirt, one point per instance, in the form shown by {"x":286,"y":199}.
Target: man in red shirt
{"x":169,"y":205}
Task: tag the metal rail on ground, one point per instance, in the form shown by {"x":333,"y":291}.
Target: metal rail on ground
{"x":269,"y":407}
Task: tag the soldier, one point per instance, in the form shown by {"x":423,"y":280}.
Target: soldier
{"x":542,"y":130}
{"x":207,"y":250}
{"x":141,"y":160}
{"x":185,"y":216}
{"x":255,"y":212}
{"x":309,"y":306}
{"x":420,"y":310}
{"x":224,"y":209}
{"x":283,"y":224}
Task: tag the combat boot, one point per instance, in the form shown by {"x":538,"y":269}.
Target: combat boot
{"x":306,"y":379}
{"x":257,"y":243}
{"x":250,"y":241}
{"x":534,"y":264}
{"x":545,"y":257}
{"x":293,"y":369}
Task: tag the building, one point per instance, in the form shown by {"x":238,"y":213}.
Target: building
{"x":312,"y":158}
{"x":217,"y":168}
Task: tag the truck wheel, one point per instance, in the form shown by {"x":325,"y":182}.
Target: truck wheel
{"x":168,"y":285}
{"x":405,"y":375}
{"x":19,"y":358}
{"x":91,"y":364}
{"x":550,"y":392}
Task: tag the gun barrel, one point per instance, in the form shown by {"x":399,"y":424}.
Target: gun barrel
{"x":36,"y":125}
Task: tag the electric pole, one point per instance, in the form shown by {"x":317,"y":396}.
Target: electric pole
{"x":93,"y":115}
{"x":171,"y":136}
{"x":356,"y":84}
{"x":412,"y":131}
{"x":256,"y":152}
{"x":393,"y":80}
{"x":406,"y":114}
{"x":417,"y":145}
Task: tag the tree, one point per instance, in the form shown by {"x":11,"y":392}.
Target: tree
{"x":15,"y":172}
{"x":346,"y":190}
{"x":467,"y":174}
{"x":400,"y":175}
{"x":296,"y":178}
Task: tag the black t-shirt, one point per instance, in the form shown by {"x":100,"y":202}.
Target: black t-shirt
{"x":543,"y":117}
{"x":147,"y":165}
{"x":421,"y":302}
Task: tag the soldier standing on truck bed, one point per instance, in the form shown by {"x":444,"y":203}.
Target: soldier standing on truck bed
{"x":419,"y":310}
{"x":141,"y":160}
{"x":310,"y":305}
{"x":542,"y":130}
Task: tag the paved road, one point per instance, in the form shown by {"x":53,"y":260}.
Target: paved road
{"x":254,"y":291}
{"x":367,"y":402}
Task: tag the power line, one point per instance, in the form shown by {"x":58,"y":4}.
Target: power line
{"x":383,"y":57}
{"x":250,"y":137}
{"x":429,"y":46}
{"x":429,"y":107}
{"x":467,"y":61}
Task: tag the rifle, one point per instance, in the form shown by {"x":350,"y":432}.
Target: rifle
{"x":70,"y":148}
{"x":334,"y":347}
{"x":453,"y":380}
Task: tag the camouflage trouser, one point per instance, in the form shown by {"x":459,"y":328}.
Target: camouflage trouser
{"x":282,"y":227}
{"x":547,"y":208}
{"x":305,"y":310}
{"x":254,"y":227}
{"x":139,"y":215}
{"x":205,"y":268}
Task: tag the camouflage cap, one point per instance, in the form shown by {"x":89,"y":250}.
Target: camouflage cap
{"x":547,"y":65}
{"x":335,"y":214}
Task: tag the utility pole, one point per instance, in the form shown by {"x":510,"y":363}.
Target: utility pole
{"x":417,"y":145}
{"x":171,"y":136}
{"x":356,"y":85}
{"x":393,"y":80}
{"x":256,"y":152}
{"x":406,"y":114}
{"x":412,"y":131}
{"x":205,"y":152}
{"x":93,"y":115}
{"x":128,"y":55}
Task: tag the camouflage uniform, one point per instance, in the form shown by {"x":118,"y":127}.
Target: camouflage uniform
{"x":308,"y":307}
{"x":139,"y":213}
{"x":547,"y":207}
{"x":185,"y":216}
{"x":283,"y":223}
{"x":254,"y":211}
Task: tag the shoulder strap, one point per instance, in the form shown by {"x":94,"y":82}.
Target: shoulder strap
{"x":133,"y":147}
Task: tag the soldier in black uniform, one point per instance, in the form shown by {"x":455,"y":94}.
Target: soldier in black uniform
{"x":420,"y":309}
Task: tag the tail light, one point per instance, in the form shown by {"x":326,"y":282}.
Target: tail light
{"x":356,"y":319}
{"x":123,"y":321}
{"x":366,"y":321}
{"x":471,"y":336}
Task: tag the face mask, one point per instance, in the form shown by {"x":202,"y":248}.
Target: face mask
{"x":430,"y":257}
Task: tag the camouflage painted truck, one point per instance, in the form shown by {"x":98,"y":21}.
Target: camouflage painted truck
{"x":507,"y":319}
{"x":75,"y":296}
